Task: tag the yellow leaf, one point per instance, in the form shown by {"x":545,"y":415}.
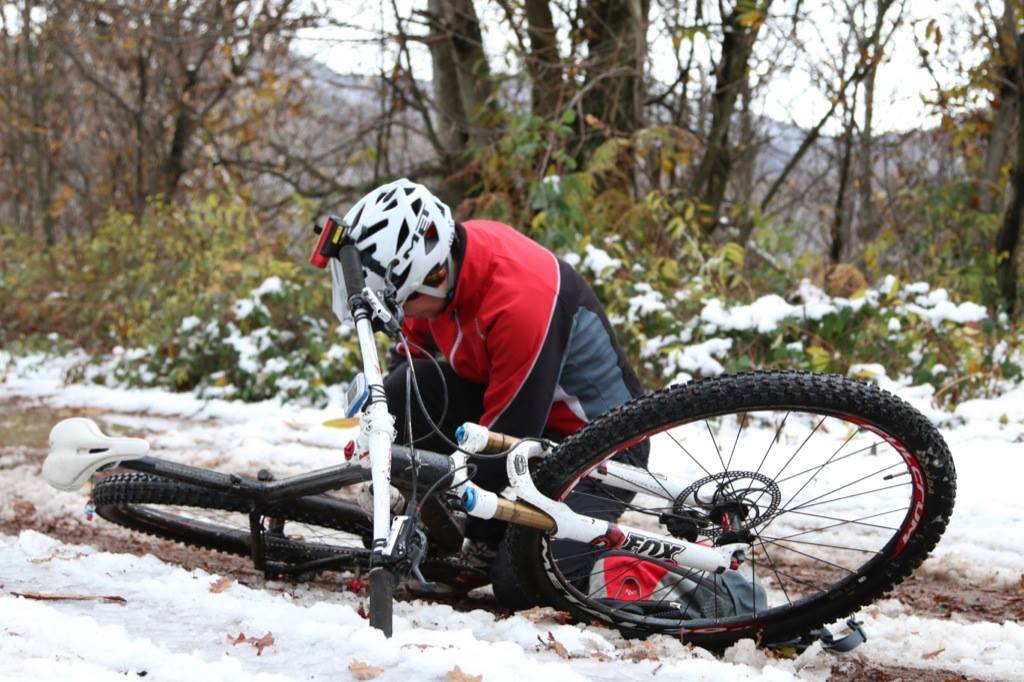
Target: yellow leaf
{"x":343,"y":423}
{"x":819,"y":358}
{"x":537,"y":221}
{"x":363,"y":671}
{"x":456,"y":674}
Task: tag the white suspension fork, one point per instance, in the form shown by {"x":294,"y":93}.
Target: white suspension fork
{"x":377,"y":430}
{"x":563,"y":523}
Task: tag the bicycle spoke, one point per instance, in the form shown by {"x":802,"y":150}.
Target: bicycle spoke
{"x":650,"y":511}
{"x":844,"y":522}
{"x":797,"y":451}
{"x":834,"y":461}
{"x":809,"y":556}
{"x":771,"y":444}
{"x":736,"y":442}
{"x":791,"y":457}
{"x":688,"y":454}
{"x":775,"y":570}
{"x":844,"y":487}
{"x":714,"y":442}
{"x":845,"y":497}
{"x":808,"y":481}
{"x":821,"y":544}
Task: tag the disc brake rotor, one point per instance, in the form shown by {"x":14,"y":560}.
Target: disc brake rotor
{"x":750,"y":497}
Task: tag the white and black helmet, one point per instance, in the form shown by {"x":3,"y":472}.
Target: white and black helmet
{"x":403,"y":233}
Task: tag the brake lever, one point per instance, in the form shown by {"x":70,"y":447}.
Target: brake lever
{"x":383,"y":319}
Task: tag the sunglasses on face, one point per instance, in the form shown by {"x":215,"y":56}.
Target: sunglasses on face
{"x":435,"y":278}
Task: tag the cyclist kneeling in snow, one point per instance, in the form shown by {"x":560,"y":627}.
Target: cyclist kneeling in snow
{"x":527,"y":348}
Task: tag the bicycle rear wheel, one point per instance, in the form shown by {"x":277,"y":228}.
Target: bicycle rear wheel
{"x":840,"y":489}
{"x":295,"y":532}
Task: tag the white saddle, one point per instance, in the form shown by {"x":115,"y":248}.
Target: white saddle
{"x":78,"y":449}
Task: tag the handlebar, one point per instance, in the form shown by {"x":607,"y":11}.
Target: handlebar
{"x":352,"y":270}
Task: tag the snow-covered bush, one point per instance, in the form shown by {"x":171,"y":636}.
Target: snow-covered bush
{"x":910,"y":329}
{"x":268,"y":344}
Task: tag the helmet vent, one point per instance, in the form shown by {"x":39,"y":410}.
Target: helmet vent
{"x":403,"y":234}
{"x":386,"y":197}
{"x":416,"y":205}
{"x":373,"y":229}
{"x":430,"y":239}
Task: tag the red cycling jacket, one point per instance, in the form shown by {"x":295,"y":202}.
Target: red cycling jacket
{"x":528,"y":327}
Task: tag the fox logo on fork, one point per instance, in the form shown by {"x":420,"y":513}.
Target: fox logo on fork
{"x":649,"y":547}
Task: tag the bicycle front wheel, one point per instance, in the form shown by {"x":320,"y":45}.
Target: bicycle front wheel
{"x":840,"y":489}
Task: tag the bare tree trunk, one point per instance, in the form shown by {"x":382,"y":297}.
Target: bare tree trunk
{"x":546,"y":84}
{"x":746,"y":160}
{"x":868,"y":227}
{"x":1008,"y":237}
{"x":453,"y":125}
{"x":474,"y":73}
{"x":1003,"y":116}
{"x":840,"y":224}
{"x":39,"y":94}
{"x":867,"y":219}
{"x":682,"y":116}
{"x":716,"y":165}
{"x":141,"y":142}
{"x":613,"y":92}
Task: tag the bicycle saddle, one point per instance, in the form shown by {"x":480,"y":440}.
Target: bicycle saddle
{"x":78,"y":449}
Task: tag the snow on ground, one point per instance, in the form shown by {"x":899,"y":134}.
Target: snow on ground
{"x":168,"y":624}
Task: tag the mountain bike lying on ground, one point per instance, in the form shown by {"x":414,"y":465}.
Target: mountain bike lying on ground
{"x":771,"y":503}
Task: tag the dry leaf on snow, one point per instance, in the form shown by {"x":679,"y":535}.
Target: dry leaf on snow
{"x":260,"y":643}
{"x":554,"y":645}
{"x":932,"y":654}
{"x":221,"y":585}
{"x":539,"y":614}
{"x":644,"y":651}
{"x":61,"y":557}
{"x":110,"y":599}
{"x":362,"y":611}
{"x":457,"y":674}
{"x":363,"y":671}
